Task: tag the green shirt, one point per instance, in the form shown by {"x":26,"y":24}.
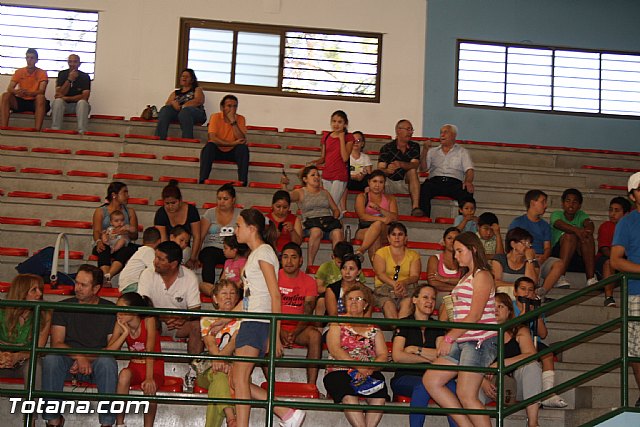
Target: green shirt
{"x":22,"y":331}
{"x":578,"y":221}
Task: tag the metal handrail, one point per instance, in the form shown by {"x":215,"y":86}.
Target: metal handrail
{"x":499,"y":413}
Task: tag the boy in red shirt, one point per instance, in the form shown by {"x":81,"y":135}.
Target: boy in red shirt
{"x":299,"y":293}
{"x":618,"y":207}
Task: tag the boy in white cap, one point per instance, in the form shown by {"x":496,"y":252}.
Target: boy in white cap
{"x":625,"y":257}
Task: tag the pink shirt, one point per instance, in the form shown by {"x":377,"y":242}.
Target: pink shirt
{"x":462,"y":295}
{"x":233,"y":269}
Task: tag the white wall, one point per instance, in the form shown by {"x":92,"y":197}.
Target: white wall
{"x":138,"y":41}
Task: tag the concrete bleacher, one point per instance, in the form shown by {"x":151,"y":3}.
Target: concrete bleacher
{"x":503,"y":175}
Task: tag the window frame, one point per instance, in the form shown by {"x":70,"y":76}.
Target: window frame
{"x":64,"y":9}
{"x":183,"y":49}
{"x":552,"y":87}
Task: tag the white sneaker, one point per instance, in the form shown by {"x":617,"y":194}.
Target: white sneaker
{"x":562,"y":283}
{"x":592,"y":281}
{"x":296,"y":419}
{"x":554,"y":401}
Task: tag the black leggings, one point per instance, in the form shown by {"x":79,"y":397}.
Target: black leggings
{"x":210,"y":257}
{"x":122,"y":256}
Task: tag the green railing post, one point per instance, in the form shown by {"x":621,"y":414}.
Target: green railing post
{"x":500,"y":378}
{"x":624,"y":344}
{"x":271,"y":381}
{"x":33,"y":360}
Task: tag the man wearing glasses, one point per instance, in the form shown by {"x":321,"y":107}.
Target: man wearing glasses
{"x":450,"y":170}
{"x":399,"y":160}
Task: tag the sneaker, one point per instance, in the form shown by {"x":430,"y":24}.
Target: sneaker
{"x":417,"y":212}
{"x":554,"y":401}
{"x":296,"y":419}
{"x":592,"y":281}
{"x":106,"y":282}
{"x":367,"y":386}
{"x":541,"y":292}
{"x":609,"y":302}
{"x":562,"y":283}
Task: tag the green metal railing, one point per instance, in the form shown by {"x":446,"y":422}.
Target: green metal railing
{"x":500,"y":413}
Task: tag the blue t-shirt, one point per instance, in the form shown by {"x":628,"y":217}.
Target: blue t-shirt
{"x":541,"y":231}
{"x":627,"y":235}
{"x":471,"y":226}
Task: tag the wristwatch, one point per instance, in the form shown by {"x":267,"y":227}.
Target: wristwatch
{"x":419,"y":352}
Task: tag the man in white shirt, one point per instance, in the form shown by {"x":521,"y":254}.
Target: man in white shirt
{"x":450,"y":169}
{"x":171,"y":285}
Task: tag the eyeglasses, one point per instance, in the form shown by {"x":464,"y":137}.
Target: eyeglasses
{"x":357,"y":140}
{"x":354,"y":299}
{"x":526,"y":243}
{"x":396,"y":273}
{"x":407,"y":129}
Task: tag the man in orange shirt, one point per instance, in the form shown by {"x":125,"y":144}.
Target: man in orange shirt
{"x":226,"y":140}
{"x":26,"y":92}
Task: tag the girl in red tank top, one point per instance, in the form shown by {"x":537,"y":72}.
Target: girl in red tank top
{"x":141,"y":335}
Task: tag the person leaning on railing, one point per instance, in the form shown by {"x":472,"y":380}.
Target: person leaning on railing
{"x":518,"y":345}
{"x":16,"y":327}
{"x":358,"y":343}
{"x":417,"y":344}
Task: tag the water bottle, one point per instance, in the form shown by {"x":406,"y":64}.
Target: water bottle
{"x":347,"y":233}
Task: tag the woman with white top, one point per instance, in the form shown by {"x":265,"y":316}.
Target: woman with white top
{"x":261,"y":295}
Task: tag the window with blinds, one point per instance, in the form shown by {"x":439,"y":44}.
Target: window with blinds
{"x":285,"y":61}
{"x":54,"y":33}
{"x":547,"y":78}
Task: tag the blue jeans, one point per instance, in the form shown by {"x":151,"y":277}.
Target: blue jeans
{"x":187,"y":117}
{"x":55,"y":370}
{"x":411,"y":385}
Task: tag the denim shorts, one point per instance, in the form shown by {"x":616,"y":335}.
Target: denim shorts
{"x":253,"y":334}
{"x":469,"y":354}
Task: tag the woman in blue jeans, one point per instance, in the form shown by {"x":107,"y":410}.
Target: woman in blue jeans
{"x":417,"y":344}
{"x":185,"y":105}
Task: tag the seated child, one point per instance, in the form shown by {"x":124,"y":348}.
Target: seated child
{"x":618,"y":207}
{"x":524,"y":289}
{"x":572,"y":236}
{"x":467,"y":220}
{"x":141,"y":260}
{"x":217,"y":378}
{"x":141,"y":335}
{"x":329,"y":272}
{"x":489,"y":234}
{"x":360,"y":166}
{"x":113,"y":236}
{"x":236,"y":255}
{"x":182,"y":237}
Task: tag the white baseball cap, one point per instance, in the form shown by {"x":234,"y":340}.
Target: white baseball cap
{"x":634,"y":182}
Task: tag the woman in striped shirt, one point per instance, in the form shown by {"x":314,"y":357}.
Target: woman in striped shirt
{"x":473,"y":302}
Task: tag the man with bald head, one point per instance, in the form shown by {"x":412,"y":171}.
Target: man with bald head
{"x":73,"y":88}
{"x":399,"y":160}
{"x":450,"y":169}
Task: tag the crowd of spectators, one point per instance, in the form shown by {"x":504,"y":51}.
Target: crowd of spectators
{"x":262,"y":270}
